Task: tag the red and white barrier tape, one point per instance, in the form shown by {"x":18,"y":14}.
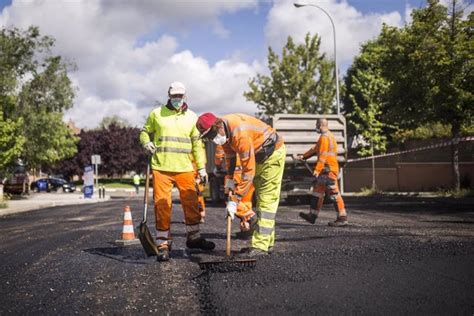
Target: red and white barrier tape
{"x":443,"y":144}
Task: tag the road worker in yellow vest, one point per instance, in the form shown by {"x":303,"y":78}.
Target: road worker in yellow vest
{"x":174,"y":146}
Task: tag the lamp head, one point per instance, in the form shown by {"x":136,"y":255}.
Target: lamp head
{"x":299,"y":5}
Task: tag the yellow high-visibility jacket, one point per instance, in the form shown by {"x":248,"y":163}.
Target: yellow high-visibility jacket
{"x":176,"y":139}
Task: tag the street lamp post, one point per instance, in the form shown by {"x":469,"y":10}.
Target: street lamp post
{"x":336,"y":72}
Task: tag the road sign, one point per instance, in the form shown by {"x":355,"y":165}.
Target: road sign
{"x":95,"y":159}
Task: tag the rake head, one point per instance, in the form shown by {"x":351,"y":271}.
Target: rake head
{"x":228,"y":265}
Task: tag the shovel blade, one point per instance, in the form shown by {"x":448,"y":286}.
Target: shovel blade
{"x":146,"y":240}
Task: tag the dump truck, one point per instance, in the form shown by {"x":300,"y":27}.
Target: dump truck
{"x":299,"y":134}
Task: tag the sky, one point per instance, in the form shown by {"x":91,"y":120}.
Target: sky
{"x":128,"y":52}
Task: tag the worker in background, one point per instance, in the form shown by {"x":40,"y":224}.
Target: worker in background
{"x":245,"y":213}
{"x":136,"y":183}
{"x":175,"y":141}
{"x":326,"y":172}
{"x":262,"y":157}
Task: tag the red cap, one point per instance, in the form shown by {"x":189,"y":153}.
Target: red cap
{"x":205,"y":122}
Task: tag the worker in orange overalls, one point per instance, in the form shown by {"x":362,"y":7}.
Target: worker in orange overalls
{"x":262,"y":153}
{"x":244,"y":208}
{"x":326,"y":172}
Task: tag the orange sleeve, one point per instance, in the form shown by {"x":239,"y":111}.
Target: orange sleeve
{"x":219,"y":157}
{"x":229,"y":161}
{"x":244,"y":148}
{"x":322,"y":149}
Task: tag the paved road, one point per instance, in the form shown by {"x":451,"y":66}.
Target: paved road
{"x":399,"y":256}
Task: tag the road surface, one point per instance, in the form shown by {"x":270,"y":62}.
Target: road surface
{"x":400,"y":255}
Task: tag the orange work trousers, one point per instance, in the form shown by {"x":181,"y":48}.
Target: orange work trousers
{"x":327,"y":184}
{"x":162,"y":184}
{"x":200,"y":189}
{"x":201,"y":202}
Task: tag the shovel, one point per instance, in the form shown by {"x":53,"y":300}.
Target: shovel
{"x":144,"y":234}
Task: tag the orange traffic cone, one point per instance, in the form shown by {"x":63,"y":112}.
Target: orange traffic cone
{"x":128,"y":234}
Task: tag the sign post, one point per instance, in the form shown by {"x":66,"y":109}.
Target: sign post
{"x":96,"y":162}
{"x":88,"y":182}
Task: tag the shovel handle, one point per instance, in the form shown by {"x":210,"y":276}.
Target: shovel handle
{"x":308,"y":167}
{"x":145,"y":197}
{"x":227,"y":245}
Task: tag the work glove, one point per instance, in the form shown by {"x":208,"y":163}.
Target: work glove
{"x":229,"y":186}
{"x":203,"y":175}
{"x":150,"y":147}
{"x":231,"y":209}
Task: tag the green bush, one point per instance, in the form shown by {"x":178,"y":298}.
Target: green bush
{"x":369,"y":192}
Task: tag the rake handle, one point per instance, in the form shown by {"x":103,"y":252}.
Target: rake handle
{"x":227,"y":245}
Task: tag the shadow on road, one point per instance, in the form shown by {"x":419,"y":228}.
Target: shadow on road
{"x":122,"y":254}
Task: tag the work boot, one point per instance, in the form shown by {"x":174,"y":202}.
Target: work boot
{"x":200,"y":243}
{"x":163,"y":254}
{"x":309,"y":217}
{"x":341,"y":221}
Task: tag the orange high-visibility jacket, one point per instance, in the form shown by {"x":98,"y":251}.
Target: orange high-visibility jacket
{"x":219,"y":157}
{"x":246,"y":136}
{"x":326,"y":150}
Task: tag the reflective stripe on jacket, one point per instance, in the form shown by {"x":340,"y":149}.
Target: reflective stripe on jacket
{"x":246,"y":136}
{"x":176,"y":139}
{"x":326,"y":150}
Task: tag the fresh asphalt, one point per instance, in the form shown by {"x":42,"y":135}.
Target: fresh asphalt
{"x":400,"y":255}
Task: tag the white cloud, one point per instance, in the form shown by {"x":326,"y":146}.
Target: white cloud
{"x":124,"y":68}
{"x":118,"y":75}
{"x":352,"y":27}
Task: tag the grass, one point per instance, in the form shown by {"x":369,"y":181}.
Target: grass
{"x":463,"y":193}
{"x":4,"y":199}
{"x":369,"y":192}
{"x":113,"y":184}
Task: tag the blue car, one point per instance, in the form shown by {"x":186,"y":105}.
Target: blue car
{"x":52,"y":184}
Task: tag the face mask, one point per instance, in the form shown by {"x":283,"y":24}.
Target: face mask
{"x":177,"y":102}
{"x":219,"y":139}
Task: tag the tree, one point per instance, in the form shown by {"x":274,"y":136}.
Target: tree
{"x":114,"y":119}
{"x":301,"y":82}
{"x":430,"y":66}
{"x":10,"y":143}
{"x":118,"y":147}
{"x":35,"y":90}
{"x":366,"y":91}
{"x":425,"y":77}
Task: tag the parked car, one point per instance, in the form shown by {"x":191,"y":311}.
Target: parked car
{"x":52,"y":184}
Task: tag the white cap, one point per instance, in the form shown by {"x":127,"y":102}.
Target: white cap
{"x":177,"y":88}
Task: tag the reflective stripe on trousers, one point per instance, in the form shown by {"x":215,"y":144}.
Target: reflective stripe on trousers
{"x":268,"y":177}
